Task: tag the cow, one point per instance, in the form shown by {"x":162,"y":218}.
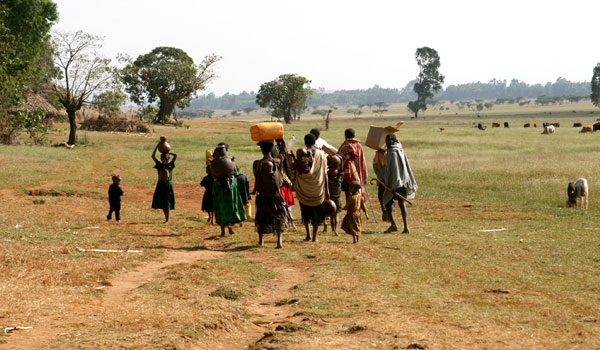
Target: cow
{"x":596,"y":126}
{"x":506,"y":125}
{"x":535,"y":125}
{"x":548,"y":129}
{"x":556,"y":125}
{"x":480,"y":126}
{"x":578,"y":194}
{"x":587,"y":128}
{"x":526,"y":125}
{"x":442,"y":129}
{"x":577,"y":125}
{"x":495,"y":125}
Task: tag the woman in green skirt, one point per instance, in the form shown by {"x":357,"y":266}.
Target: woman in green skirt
{"x":164,"y":197}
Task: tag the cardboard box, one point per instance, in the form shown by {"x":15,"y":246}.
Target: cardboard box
{"x":376,"y":136}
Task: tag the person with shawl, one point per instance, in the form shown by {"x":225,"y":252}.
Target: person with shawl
{"x":354,"y":164}
{"x":272,"y":215}
{"x":397,"y":175}
{"x":311,"y":189}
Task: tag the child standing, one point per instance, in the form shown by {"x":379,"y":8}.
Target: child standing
{"x":334,"y":183}
{"x":114,"y":198}
{"x":207,"y":200}
{"x":354,"y":203}
{"x":164,"y":197}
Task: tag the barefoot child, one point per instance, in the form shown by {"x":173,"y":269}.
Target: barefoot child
{"x":334,"y":181}
{"x":164,"y":197}
{"x":207,"y":199}
{"x":354,"y":203}
{"x":114,"y":198}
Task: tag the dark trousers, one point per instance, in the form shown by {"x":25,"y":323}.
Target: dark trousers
{"x":116,"y":207}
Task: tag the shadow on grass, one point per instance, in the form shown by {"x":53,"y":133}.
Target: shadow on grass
{"x":193,"y":248}
{"x":164,"y":235}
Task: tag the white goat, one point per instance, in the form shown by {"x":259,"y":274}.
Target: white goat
{"x":548,"y":129}
{"x":578,"y":194}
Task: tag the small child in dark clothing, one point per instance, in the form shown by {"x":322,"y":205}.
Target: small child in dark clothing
{"x":207,"y":199}
{"x":114,"y":198}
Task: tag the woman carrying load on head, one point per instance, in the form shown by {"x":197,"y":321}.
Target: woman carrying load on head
{"x":272,"y":215}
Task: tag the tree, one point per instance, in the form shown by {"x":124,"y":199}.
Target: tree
{"x":381,"y":108}
{"x":429,"y":80}
{"x":249,"y":110}
{"x":283,"y":95}
{"x":355,"y":111}
{"x":25,"y":62}
{"x":167,"y":75}
{"x":595,"y":96}
{"x":84,"y":72}
{"x":110,"y":102}
{"x":24,"y":28}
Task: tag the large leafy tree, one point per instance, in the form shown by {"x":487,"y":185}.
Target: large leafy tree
{"x":24,"y":28}
{"x":167,"y":75}
{"x":595,"y":96}
{"x":429,"y":80}
{"x":283,"y":95}
{"x":84,"y":72}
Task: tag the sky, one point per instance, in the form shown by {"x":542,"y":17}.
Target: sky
{"x":352,"y":44}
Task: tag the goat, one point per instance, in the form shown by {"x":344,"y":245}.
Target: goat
{"x":578,"y":194}
{"x":548,"y":129}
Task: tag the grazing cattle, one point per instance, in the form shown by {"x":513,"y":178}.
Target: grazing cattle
{"x":556,"y":125}
{"x":535,"y":125}
{"x":587,"y":128}
{"x":526,"y":125}
{"x":480,"y":126}
{"x":442,"y":129}
{"x":596,"y":126}
{"x":578,"y":194}
{"x":577,"y":125}
{"x":495,"y":125}
{"x":548,"y":129}
{"x":506,"y":125}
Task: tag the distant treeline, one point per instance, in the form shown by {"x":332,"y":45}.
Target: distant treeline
{"x":494,"y":89}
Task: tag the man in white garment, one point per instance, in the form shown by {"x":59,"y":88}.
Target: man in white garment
{"x":322,"y":144}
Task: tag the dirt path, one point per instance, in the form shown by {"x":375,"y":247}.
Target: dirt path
{"x":50,"y":327}
{"x":266,"y":312}
{"x":125,"y":283}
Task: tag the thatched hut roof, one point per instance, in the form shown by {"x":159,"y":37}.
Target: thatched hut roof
{"x":35,"y":102}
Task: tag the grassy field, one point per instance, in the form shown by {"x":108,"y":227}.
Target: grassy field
{"x":440,"y":287}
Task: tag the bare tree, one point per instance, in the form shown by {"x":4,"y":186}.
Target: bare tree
{"x":83,"y":72}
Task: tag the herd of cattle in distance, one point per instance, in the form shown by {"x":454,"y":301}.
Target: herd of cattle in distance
{"x":549,"y":128}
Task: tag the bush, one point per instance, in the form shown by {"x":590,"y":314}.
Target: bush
{"x":114,"y":123}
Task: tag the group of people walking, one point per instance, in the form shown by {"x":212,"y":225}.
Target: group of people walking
{"x":318,"y":175}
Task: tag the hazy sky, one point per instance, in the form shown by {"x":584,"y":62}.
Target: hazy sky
{"x":353,"y":44}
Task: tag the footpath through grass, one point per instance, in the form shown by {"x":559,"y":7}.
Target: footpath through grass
{"x":447,"y":285}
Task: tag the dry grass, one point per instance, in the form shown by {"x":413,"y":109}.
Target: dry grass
{"x":430,"y":287}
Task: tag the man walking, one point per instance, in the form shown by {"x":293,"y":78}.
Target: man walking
{"x":396,"y":175}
